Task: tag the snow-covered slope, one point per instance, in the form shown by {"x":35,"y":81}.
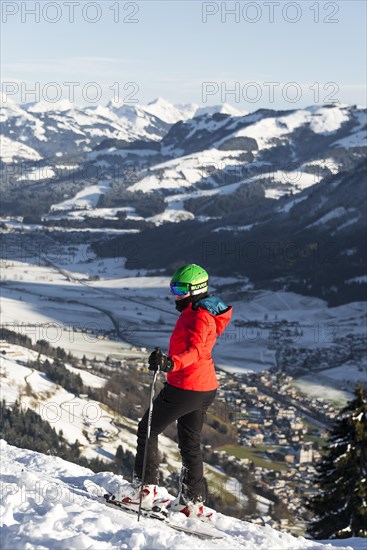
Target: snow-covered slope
{"x":164,"y":110}
{"x":85,"y":199}
{"x":77,"y":416}
{"x":225,"y":108}
{"x":64,"y":129}
{"x":170,"y":113}
{"x":14,"y":152}
{"x":286,"y":151}
{"x":44,"y":505}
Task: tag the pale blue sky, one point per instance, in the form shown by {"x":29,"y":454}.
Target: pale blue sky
{"x":170,"y":52}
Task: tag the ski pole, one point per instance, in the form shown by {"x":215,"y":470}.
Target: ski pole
{"x":148,"y":435}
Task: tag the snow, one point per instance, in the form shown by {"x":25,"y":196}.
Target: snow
{"x":359,"y":137}
{"x":298,"y":180}
{"x":332,"y":214}
{"x":313,"y":386}
{"x":187,"y":171}
{"x":322,"y":120}
{"x":327,"y":120}
{"x":328,"y":163}
{"x":265,"y":130}
{"x":88,"y":378}
{"x":290,"y":204}
{"x":105,"y":213}
{"x":224,"y":108}
{"x":75,"y":415}
{"x":133,"y":122}
{"x":351,"y":221}
{"x":38,"y":174}
{"x":171,"y":215}
{"x":235,"y":228}
{"x":177,"y":173}
{"x":86,"y":199}
{"x":127,"y":123}
{"x":9,"y":108}
{"x":207,"y":124}
{"x":47,"y":106}
{"x":13,"y":151}
{"x":169,"y":113}
{"x":360,"y":279}
{"x":45,"y":505}
{"x":354,"y":542}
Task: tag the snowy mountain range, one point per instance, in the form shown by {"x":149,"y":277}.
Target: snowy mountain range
{"x":175,"y":149}
{"x":42,"y":130}
{"x":231,"y":175}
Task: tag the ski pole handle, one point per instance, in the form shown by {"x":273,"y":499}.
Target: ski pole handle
{"x":158,"y":350}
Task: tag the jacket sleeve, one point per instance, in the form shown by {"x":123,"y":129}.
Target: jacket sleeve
{"x":196,"y":335}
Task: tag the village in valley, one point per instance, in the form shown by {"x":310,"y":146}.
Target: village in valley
{"x":282,"y":430}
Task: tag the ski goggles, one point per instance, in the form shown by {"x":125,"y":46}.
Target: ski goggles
{"x":180,"y":289}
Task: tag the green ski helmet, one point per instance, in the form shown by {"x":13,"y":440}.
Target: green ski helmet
{"x":190,"y":278}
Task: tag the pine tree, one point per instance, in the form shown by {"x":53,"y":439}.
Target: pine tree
{"x":340,"y":506}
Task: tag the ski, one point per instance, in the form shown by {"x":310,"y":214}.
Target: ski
{"x":164,"y":516}
{"x":160,"y":514}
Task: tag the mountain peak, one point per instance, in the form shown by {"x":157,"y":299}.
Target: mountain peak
{"x":168,"y":112}
{"x":10,"y":107}
{"x":160,"y":101}
{"x":46,"y":106}
{"x":224,"y":108}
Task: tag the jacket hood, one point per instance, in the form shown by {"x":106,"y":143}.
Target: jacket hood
{"x":220,"y":312}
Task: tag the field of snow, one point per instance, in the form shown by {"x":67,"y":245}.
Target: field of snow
{"x":234,"y":228}
{"x":297,"y":180}
{"x":86,"y":199}
{"x":358,"y":138}
{"x":13,"y":151}
{"x":181,"y":172}
{"x":37,"y":174}
{"x":180,"y":176}
{"x":188,"y":170}
{"x":336,"y":213}
{"x":45,"y":505}
{"x":105,"y":213}
{"x":346,"y":376}
{"x":314,"y":387}
{"x":322,"y":121}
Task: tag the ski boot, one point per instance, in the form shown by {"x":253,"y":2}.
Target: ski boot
{"x":190,"y":508}
{"x":129,"y":495}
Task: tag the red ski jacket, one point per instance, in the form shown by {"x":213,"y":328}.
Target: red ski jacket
{"x":191,"y":345}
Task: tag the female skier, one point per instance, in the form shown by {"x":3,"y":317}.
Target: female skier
{"x":189,"y":391}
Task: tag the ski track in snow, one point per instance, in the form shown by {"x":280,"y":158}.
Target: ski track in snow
{"x":44,"y":506}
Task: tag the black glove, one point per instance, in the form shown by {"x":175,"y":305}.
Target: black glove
{"x":157,"y":360}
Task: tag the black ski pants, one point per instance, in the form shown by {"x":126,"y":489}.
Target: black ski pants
{"x":188,"y":408}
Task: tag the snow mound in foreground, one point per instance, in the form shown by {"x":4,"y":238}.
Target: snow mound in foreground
{"x":44,"y":506}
